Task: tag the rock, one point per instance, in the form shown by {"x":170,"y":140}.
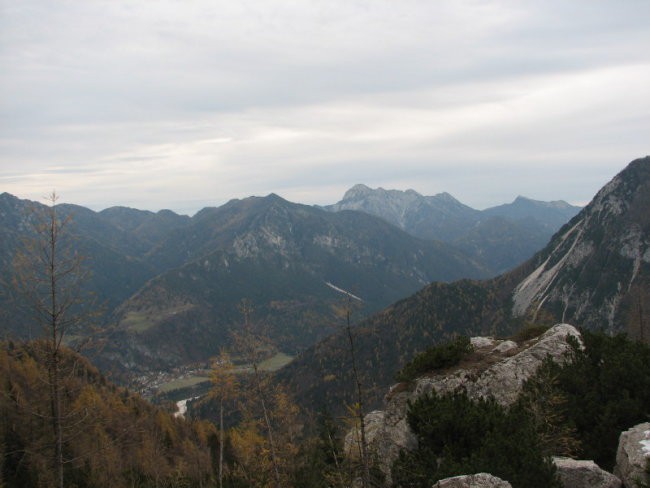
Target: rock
{"x":506,"y":346}
{"x":478,"y":342}
{"x":633,"y":456}
{"x":499,"y":372}
{"x":480,"y":480}
{"x":372,"y":422}
{"x":584,"y":474}
{"x":504,"y":379}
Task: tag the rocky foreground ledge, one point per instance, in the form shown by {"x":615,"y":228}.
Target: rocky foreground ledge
{"x":499,"y":369}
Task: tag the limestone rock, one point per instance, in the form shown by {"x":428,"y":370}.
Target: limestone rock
{"x":478,"y":342}
{"x":503,"y":379}
{"x":633,"y":455}
{"x":480,"y":480}
{"x":497,"y":371}
{"x":584,"y":474}
{"x":506,"y":346}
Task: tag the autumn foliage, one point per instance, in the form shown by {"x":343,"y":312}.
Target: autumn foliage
{"x":112,"y":438}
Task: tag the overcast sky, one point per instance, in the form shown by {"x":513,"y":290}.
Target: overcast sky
{"x":185,"y":104}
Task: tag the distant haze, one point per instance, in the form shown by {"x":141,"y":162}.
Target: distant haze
{"x":182,"y":105}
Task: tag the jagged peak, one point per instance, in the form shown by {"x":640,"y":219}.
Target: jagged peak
{"x":357,"y":191}
{"x":361,"y":191}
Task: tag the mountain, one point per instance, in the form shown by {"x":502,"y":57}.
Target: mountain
{"x":596,"y":270}
{"x":116,"y":270}
{"x":440,"y":217}
{"x":594,"y":273}
{"x":148,"y":227}
{"x":293,"y":262}
{"x":500,"y":237}
{"x":549,"y":214}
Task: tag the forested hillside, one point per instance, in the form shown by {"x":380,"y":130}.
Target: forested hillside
{"x":111,"y":437}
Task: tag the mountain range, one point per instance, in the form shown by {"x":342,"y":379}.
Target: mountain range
{"x":292,"y":261}
{"x":170,"y":284}
{"x":594,"y":273}
{"x":500,"y":237}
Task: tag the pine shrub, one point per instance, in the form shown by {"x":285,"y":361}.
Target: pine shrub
{"x":437,"y":357}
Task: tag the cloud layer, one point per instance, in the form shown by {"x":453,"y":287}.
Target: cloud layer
{"x":174,"y":104}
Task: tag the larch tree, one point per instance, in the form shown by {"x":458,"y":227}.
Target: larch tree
{"x":357,"y":410}
{"x":224,"y":387}
{"x":50,"y":274}
{"x":252,"y":346}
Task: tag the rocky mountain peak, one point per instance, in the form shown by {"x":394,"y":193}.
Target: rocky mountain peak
{"x":356,"y":192}
{"x":596,"y":268}
{"x":488,"y":235}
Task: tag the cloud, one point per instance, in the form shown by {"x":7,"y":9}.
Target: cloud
{"x":184,"y":104}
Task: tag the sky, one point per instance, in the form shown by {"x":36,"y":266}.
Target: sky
{"x":190,"y":103}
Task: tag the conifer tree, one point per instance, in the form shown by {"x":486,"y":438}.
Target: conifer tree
{"x":252,"y":345}
{"x":224,"y":387}
{"x":50,"y":274}
{"x":357,"y":410}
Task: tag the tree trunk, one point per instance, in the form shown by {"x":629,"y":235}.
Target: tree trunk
{"x":54,"y":350}
{"x":365,"y":478}
{"x":221,"y":440}
{"x":269,"y":429}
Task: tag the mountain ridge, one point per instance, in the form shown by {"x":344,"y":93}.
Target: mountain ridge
{"x":281,"y":255}
{"x":148,"y":257}
{"x":601,"y":281}
{"x":528,"y":222}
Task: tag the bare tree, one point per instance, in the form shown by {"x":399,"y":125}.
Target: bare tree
{"x":252,"y":346}
{"x":345,"y":312}
{"x":50,"y":274}
{"x":224,"y":387}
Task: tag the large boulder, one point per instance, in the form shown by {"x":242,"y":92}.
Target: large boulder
{"x":480,"y":480}
{"x":498,"y":369}
{"x":633,"y":456}
{"x":583,"y":474}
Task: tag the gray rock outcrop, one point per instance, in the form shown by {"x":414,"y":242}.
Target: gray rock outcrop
{"x":498,"y":369}
{"x":633,"y":456}
{"x":584,"y":474}
{"x":480,"y":480}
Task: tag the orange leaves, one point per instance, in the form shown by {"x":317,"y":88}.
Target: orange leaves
{"x":224,"y":380}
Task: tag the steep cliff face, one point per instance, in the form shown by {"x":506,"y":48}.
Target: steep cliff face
{"x":596,"y":270}
{"x":497,"y":369}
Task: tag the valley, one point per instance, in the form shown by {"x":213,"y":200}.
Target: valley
{"x":169,"y":285}
{"x":331,"y":305}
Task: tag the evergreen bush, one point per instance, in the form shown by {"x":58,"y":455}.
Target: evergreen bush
{"x":436,"y":357}
{"x":459,"y":436}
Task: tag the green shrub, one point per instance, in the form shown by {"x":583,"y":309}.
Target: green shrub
{"x":436,"y":357}
{"x":607,"y":390}
{"x":459,"y":436}
{"x":529,"y":332}
{"x":578,"y":409}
